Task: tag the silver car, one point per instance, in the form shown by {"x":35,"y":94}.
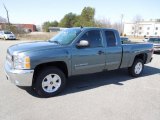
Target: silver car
{"x":7,"y":35}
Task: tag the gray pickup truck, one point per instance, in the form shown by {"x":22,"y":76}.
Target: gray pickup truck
{"x":46,"y":65}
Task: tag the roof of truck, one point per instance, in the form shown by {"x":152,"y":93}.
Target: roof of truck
{"x":86,"y":28}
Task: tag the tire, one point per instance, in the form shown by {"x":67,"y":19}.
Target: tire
{"x":137,"y":68}
{"x":50,"y":82}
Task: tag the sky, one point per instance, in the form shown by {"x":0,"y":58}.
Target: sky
{"x":39,"y":11}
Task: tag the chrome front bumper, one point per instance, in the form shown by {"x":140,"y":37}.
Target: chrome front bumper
{"x":19,"y":77}
{"x":157,"y":49}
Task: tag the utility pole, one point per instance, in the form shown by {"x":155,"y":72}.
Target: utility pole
{"x":7,"y":16}
{"x":122,"y":24}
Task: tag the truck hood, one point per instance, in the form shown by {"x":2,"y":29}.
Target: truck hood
{"x":32,"y":46}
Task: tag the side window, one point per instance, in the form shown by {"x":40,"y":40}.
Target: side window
{"x":110,"y":38}
{"x":93,"y":37}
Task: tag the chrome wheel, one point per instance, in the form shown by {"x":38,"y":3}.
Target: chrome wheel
{"x":138,"y":68}
{"x":51,"y":83}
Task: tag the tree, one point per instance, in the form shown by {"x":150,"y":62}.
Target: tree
{"x":78,"y":21}
{"x":48,"y":24}
{"x":136,"y":20}
{"x":87,"y":17}
{"x":118,"y":26}
{"x":105,"y":23}
{"x":54,"y":24}
{"x":69,"y":20}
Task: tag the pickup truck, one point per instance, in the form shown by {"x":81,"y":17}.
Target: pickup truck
{"x":156,"y":43}
{"x":46,"y":65}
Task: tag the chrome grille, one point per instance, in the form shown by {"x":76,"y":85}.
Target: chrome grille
{"x":9,"y":59}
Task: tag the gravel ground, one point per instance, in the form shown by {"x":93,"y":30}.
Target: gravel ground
{"x":105,"y":96}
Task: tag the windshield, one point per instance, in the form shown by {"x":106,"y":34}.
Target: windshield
{"x":7,"y":32}
{"x":66,"y":36}
{"x":154,"y":40}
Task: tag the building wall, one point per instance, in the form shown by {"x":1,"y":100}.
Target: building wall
{"x":142,"y":29}
{"x":30,"y":27}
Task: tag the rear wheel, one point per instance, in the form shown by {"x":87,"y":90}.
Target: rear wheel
{"x":50,"y":82}
{"x":137,"y":68}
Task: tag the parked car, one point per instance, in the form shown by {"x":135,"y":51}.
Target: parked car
{"x":125,"y":40}
{"x":46,"y":65}
{"x":156,"y":43}
{"x":7,"y":35}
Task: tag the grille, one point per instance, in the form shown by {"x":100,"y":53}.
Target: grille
{"x":9,"y":59}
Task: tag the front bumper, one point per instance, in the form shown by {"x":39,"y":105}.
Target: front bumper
{"x":19,"y":77}
{"x":157,"y":49}
{"x":11,"y":38}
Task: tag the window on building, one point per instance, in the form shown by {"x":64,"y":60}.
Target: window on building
{"x":147,"y":33}
{"x":155,"y":33}
{"x":148,"y":28}
{"x":156,"y":28}
{"x":140,"y":33}
{"x":132,"y":28}
{"x":140,"y":28}
{"x":132,"y":33}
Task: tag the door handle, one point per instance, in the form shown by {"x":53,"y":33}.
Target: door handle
{"x":100,"y":52}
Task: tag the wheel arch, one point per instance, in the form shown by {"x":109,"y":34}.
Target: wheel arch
{"x":59,"y":64}
{"x":142,"y":56}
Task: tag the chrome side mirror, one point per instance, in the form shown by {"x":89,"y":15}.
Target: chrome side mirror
{"x":83,"y":43}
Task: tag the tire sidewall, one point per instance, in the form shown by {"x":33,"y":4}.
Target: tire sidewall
{"x":132,"y":69}
{"x":42,"y":75}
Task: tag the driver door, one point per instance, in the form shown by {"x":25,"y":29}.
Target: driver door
{"x":89,"y":59}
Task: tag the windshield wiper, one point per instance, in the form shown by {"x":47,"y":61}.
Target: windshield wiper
{"x":57,"y":42}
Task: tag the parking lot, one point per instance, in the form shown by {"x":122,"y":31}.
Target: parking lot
{"x":110,"y":95}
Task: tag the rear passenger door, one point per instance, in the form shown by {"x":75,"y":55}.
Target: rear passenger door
{"x":113,"y":50}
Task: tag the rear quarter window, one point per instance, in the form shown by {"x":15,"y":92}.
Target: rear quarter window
{"x":110,"y":38}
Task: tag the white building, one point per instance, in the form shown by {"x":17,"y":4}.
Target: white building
{"x":143,"y":28}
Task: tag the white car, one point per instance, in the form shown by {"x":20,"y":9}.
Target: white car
{"x":145,"y":39}
{"x":7,"y":35}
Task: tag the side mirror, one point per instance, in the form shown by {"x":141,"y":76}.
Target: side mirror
{"x":83,"y":43}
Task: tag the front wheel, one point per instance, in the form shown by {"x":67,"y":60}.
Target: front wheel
{"x":137,"y":68}
{"x":50,"y":82}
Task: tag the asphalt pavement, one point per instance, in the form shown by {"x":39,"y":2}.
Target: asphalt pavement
{"x":110,"y":95}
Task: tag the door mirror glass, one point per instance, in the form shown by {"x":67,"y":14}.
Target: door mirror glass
{"x":83,"y":43}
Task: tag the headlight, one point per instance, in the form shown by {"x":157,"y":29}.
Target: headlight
{"x":21,"y":62}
